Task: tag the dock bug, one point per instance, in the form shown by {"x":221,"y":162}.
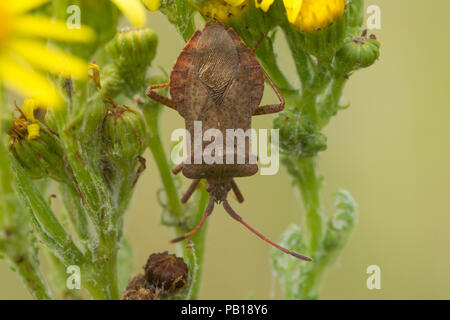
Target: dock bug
{"x":218,"y":81}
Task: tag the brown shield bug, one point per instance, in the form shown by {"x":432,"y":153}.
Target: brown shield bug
{"x":218,"y":82}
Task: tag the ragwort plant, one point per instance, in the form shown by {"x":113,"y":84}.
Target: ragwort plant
{"x":88,"y":137}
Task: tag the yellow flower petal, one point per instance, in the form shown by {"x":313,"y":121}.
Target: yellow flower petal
{"x":29,"y":105}
{"x":49,"y":58}
{"x":95,"y":74}
{"x":57,"y":30}
{"x":235,"y":3}
{"x":26,"y":82}
{"x":293,"y":8}
{"x":263,"y":4}
{"x":152,"y":5}
{"x":33,"y":131}
{"x":20,"y":6}
{"x":133,"y":10}
{"x":318,"y":14}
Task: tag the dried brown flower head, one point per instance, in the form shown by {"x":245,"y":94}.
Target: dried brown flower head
{"x":166,"y":271}
{"x":139,"y":289}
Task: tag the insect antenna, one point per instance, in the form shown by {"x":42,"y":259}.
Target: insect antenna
{"x":238,"y":218}
{"x":208,"y":212}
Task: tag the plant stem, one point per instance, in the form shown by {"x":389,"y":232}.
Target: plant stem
{"x":195,"y":255}
{"x":309,"y":183}
{"x":152,"y":113}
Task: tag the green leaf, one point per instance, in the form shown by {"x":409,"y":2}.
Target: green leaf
{"x":46,"y":224}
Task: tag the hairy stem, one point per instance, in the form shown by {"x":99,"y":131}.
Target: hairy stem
{"x":152,"y":113}
{"x":308,"y":182}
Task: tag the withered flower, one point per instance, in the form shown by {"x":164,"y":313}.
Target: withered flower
{"x":166,"y":271}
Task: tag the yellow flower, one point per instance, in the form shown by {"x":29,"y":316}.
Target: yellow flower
{"x":221,"y":10}
{"x":26,"y":125}
{"x":133,"y":10}
{"x":33,"y":131}
{"x":29,"y":105}
{"x":95,"y":74}
{"x":20,"y":50}
{"x":312,"y":15}
{"x":235,"y":3}
{"x":263,"y":4}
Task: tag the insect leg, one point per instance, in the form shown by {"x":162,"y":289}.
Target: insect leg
{"x":159,"y":97}
{"x":238,"y":218}
{"x":208,"y":212}
{"x":190,"y":191}
{"x":261,"y":38}
{"x":178,"y":168}
{"x":271,"y":108}
{"x":237,"y":192}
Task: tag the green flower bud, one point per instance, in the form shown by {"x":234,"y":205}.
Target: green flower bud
{"x":41,"y":156}
{"x":124,"y":133}
{"x":299,"y":136}
{"x":322,"y":25}
{"x":324,"y":43}
{"x":112,"y":82}
{"x":133,"y":49}
{"x":358,"y":52}
{"x":356,"y":13}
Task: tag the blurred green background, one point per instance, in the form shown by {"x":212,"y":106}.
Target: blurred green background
{"x":391,"y":149}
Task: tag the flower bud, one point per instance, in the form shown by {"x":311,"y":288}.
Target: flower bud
{"x":133,"y":49}
{"x":322,"y":24}
{"x":166,"y":271}
{"x":358,"y":52}
{"x":299,"y":136}
{"x":124,"y":133}
{"x":35,"y":146}
{"x":356,"y":13}
{"x":111,"y":81}
{"x":41,"y":156}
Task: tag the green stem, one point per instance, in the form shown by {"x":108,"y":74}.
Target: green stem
{"x":330,"y":105}
{"x":309,"y":184}
{"x":195,"y":255}
{"x":311,"y":286}
{"x":102,"y":278}
{"x":75,"y":210}
{"x":303,"y":63}
{"x":152,"y":112}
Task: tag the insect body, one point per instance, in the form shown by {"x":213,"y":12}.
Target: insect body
{"x":218,"y":82}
